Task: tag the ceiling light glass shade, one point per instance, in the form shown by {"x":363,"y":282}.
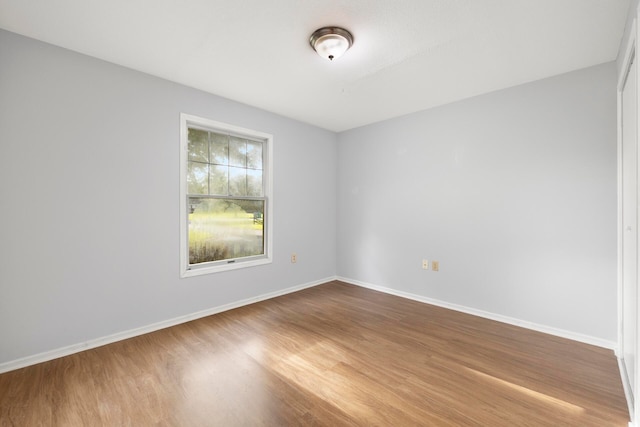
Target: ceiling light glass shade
{"x":331,"y":42}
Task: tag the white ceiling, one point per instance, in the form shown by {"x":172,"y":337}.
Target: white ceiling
{"x":408,"y":55}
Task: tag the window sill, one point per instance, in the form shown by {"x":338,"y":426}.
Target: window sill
{"x":199,"y":271}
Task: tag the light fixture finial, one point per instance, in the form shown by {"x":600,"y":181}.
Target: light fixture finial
{"x":331,"y":42}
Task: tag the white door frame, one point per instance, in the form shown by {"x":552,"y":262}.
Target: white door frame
{"x":634,"y":404}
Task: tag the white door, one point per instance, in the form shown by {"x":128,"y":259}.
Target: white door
{"x":630,"y":226}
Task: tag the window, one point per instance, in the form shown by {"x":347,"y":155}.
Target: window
{"x":225,"y":196}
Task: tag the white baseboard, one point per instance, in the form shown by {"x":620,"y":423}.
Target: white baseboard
{"x":98,"y":342}
{"x":624,"y":377}
{"x":487,"y":315}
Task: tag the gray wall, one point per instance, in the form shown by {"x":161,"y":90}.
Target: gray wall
{"x":514,"y":192}
{"x":89,"y":190}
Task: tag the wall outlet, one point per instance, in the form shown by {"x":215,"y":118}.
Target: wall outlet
{"x":435,"y":265}
{"x":425,"y":264}
{"x":294,"y":258}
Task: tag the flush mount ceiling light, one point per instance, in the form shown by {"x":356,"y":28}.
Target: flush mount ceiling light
{"x":331,"y":42}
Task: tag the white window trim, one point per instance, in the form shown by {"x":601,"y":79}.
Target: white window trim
{"x":185,"y":121}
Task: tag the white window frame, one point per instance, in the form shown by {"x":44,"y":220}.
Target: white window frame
{"x":186,"y":270}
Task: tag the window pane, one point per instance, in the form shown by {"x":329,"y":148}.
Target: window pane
{"x":237,"y":181}
{"x":225,"y":229}
{"x":237,"y":152}
{"x":254,"y":155}
{"x":199,"y":145}
{"x":198,"y":178}
{"x":219,"y":149}
{"x":254,"y":182}
{"x":219,"y":180}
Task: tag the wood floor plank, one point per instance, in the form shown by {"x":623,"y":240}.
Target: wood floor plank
{"x":332,"y":355}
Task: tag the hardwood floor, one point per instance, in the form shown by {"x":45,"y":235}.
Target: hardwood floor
{"x":331,"y":355}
